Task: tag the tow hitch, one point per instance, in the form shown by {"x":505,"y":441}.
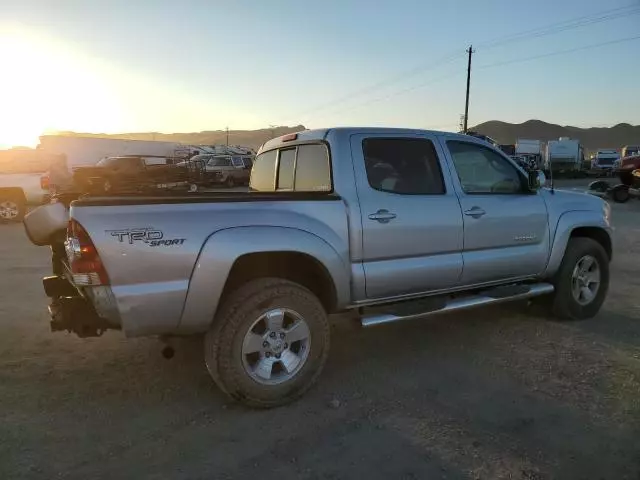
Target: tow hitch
{"x":76,"y":315}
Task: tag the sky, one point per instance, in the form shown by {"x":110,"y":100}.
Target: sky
{"x":180,"y":66}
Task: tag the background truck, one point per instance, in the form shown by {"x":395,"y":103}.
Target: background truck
{"x":564,"y":156}
{"x":24,"y":181}
{"x":390,"y":224}
{"x":605,"y":160}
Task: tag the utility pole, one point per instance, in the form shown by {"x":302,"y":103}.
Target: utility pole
{"x":466,"y":104}
{"x":461,"y":124}
{"x":228,"y":129}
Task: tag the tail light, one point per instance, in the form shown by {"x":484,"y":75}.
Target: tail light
{"x":44,"y":182}
{"x":84,"y":260}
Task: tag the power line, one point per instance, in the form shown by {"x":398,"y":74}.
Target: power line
{"x":563,"y":26}
{"x":557,"y":27}
{"x":559,"y":52}
{"x":399,"y":92}
{"x":492,"y":65}
{"x":389,"y":81}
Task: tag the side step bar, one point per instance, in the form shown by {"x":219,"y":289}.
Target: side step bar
{"x":488,"y":297}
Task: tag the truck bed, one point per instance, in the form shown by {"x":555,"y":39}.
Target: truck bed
{"x":156,"y":249}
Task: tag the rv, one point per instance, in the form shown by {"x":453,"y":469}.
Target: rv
{"x":564,"y":155}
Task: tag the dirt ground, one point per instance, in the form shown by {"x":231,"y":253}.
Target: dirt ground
{"x":490,"y":394}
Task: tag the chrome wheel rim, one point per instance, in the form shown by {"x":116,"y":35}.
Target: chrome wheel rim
{"x":9,"y":210}
{"x":276,"y":346}
{"x":585,"y":281}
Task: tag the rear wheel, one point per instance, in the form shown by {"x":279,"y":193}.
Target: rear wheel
{"x":620,"y":194}
{"x":12,"y":207}
{"x":269,"y":342}
{"x":582,"y":280}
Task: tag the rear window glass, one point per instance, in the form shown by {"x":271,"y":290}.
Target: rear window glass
{"x":220,"y":162}
{"x":263,"y":172}
{"x":285,"y":169}
{"x":313,"y":173}
{"x":155,"y":161}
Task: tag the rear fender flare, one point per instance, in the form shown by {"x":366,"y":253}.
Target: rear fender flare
{"x":223,"y":248}
{"x":567,"y":223}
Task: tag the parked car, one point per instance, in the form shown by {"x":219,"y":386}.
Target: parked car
{"x":22,"y":184}
{"x":390,"y":224}
{"x":228,"y":170}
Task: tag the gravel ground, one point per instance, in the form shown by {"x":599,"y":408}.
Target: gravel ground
{"x":490,"y":394}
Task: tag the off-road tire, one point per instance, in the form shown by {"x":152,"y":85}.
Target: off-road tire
{"x":223,"y":342}
{"x":563,"y":305}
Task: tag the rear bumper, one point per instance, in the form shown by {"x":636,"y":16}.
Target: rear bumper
{"x":76,"y":315}
{"x":74,"y":312}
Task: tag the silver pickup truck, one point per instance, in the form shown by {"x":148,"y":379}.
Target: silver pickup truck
{"x":391,"y":224}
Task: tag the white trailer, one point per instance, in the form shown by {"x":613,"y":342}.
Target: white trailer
{"x":564,"y":155}
{"x":81,"y":151}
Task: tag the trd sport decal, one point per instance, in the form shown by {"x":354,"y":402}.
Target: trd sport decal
{"x":150,"y":236}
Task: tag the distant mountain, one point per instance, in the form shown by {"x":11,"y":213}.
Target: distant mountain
{"x":246,"y":138}
{"x":591,"y":138}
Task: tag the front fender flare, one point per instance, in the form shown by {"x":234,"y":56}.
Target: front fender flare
{"x":567,"y":223}
{"x":224,"y":247}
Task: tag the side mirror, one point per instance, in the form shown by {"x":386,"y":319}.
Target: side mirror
{"x":537,"y":180}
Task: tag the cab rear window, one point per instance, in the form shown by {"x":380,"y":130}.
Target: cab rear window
{"x":302,"y":168}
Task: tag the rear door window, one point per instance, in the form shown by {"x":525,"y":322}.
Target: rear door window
{"x":405,"y":166}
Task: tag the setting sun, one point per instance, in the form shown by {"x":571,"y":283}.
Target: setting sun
{"x":50,"y":88}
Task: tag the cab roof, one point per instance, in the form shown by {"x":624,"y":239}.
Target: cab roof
{"x":322,"y":133}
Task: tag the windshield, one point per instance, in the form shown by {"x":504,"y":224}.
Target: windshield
{"x":629,"y":151}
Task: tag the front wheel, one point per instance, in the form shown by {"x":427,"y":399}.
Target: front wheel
{"x":582,"y":280}
{"x":269,"y":342}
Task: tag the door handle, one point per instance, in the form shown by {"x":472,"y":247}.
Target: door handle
{"x":475,"y":212}
{"x":382,"y":216}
